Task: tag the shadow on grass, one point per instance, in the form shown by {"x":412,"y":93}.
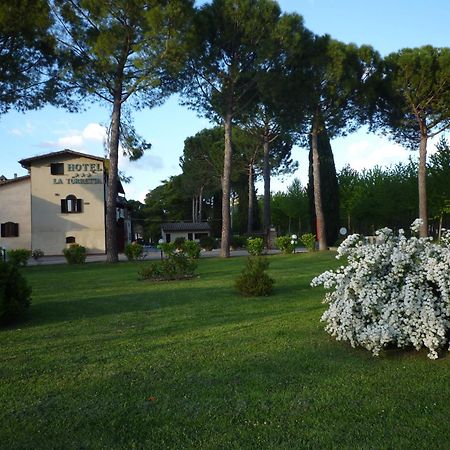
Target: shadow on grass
{"x":318,"y":396}
{"x":195,"y":303}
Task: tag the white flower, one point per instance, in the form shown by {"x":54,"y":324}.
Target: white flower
{"x":394,"y":292}
{"x":415,"y":226}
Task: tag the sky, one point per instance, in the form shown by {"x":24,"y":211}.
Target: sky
{"x":387,"y":25}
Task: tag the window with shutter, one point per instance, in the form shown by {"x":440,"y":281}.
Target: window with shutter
{"x":9,"y":229}
{"x":71,"y":204}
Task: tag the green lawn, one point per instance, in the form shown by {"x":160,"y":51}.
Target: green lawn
{"x":106,"y":361}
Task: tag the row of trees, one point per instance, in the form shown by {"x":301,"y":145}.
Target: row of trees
{"x":237,"y":62}
{"x":372,"y":199}
{"x":368,"y":199}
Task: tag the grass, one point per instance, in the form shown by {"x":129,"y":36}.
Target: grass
{"x":106,"y":361}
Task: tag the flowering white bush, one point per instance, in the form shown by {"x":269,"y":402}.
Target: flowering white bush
{"x":393,"y":292}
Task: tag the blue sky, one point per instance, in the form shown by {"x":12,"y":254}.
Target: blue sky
{"x":387,"y":25}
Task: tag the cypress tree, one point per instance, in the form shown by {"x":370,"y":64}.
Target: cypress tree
{"x":329,"y":187}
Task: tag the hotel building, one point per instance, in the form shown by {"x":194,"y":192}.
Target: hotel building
{"x":60,"y":202}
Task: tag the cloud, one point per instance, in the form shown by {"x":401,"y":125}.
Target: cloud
{"x":74,"y":141}
{"x":27,"y":129}
{"x":94,"y":132}
{"x":148,"y":162}
{"x":80,"y":140}
{"x":132,"y":192}
{"x":366,"y":154}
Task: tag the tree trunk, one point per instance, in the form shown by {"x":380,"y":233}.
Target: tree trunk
{"x":423,"y":210}
{"x":226,"y":178}
{"x":250,"y":199}
{"x":200,"y":203}
{"x":193,"y":208}
{"x":113,"y":179}
{"x":266,"y":177}
{"x":320,"y":220}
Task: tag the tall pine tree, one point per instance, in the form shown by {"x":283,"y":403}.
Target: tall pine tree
{"x":329,"y":187}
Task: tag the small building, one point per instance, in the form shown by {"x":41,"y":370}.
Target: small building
{"x":60,"y":202}
{"x":191,"y":231}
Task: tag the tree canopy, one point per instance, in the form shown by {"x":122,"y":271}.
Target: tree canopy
{"x":27,"y":55}
{"x":121,"y":52}
{"x":414,"y":104}
{"x":230,"y":43}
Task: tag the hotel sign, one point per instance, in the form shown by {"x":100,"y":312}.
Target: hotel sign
{"x":83,"y":174}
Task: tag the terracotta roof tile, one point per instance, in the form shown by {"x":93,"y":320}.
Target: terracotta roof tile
{"x":28,"y":161}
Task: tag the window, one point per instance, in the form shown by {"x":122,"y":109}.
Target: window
{"x":70,"y":240}
{"x":9,"y":229}
{"x":200,"y":235}
{"x":57,"y":169}
{"x":71,"y":204}
{"x":189,"y":236}
{"x":167,"y":237}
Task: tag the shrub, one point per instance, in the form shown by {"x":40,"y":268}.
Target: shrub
{"x":284,"y":244}
{"x":175,"y":267}
{"x":238,"y":242}
{"x":179,"y":242}
{"x":393,"y":292}
{"x":15,"y":293}
{"x":134,"y":251}
{"x":19,"y":256}
{"x":255,"y":246}
{"x":191,"y":249}
{"x":37,"y":254}
{"x":309,"y":241}
{"x":208,"y":243}
{"x":167,"y":247}
{"x":154,"y":271}
{"x":75,"y":254}
{"x":253,"y":281}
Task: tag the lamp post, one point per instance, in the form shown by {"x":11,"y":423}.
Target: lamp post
{"x":294,"y":241}
{"x":160,"y":242}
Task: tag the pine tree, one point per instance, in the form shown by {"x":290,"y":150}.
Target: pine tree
{"x":329,"y":187}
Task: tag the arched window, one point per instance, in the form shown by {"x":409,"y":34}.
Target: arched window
{"x":71,"y":204}
{"x":9,"y":229}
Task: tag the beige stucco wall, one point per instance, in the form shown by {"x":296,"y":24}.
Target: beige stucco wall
{"x":84,"y":178}
{"x":15,"y":206}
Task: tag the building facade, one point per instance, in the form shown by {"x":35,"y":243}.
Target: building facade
{"x":190,"y":231}
{"x":60,"y":202}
